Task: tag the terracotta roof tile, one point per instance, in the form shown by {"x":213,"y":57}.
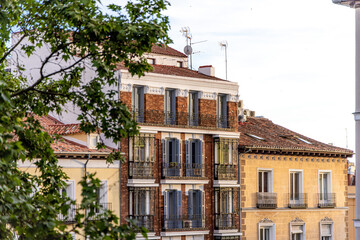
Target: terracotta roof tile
{"x":65,"y":145}
{"x":64,"y":129}
{"x":166,"y":50}
{"x":277,"y":137}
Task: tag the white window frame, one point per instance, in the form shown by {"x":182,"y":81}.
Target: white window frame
{"x":301,"y":184}
{"x":303,"y":237}
{"x":332,"y":229}
{"x":90,"y":138}
{"x":271,"y":179}
{"x":329,"y":184}
{"x":271,"y":226}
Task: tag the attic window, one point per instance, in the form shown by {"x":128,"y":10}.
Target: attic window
{"x":151,"y":61}
{"x":94,"y":139}
{"x":256,"y":137}
{"x":180,"y":64}
{"x":303,"y":140}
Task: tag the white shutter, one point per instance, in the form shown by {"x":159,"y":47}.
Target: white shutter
{"x":104,"y":193}
{"x":326,"y":230}
{"x":297,"y":229}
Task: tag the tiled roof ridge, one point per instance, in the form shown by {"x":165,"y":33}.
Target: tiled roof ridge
{"x":273,"y":137}
{"x":95,"y":150}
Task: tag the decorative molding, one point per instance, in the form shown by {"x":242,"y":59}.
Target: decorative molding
{"x":181,"y":93}
{"x":207,"y":95}
{"x":326,"y":219}
{"x":266,"y":220}
{"x":297,"y":220}
{"x":126,"y":87}
{"x":233,"y":98}
{"x":154,"y":90}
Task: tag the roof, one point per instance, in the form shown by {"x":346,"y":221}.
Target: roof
{"x":166,"y":50}
{"x":183,"y":72}
{"x":63,"y":145}
{"x":261,"y":133}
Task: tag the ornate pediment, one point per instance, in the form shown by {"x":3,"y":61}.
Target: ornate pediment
{"x":326,"y":219}
{"x":266,"y":220}
{"x":297,"y":220}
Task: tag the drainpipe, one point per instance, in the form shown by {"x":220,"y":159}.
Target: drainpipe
{"x":239,"y":181}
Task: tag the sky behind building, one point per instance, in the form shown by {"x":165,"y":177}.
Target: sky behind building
{"x":294,"y":61}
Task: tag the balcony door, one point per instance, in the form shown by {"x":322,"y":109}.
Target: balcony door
{"x":173,"y":209}
{"x":196,"y":208}
{"x":325,"y":195}
{"x":170,"y":106}
{"x":194,"y":157}
{"x":295,"y":187}
{"x":264,"y":181}
{"x":138,"y":103}
{"x":193,"y":108}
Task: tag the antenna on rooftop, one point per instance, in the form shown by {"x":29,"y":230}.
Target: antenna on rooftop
{"x":224,"y":44}
{"x":188,"y":48}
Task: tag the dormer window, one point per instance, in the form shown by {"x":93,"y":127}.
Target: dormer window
{"x":180,"y":64}
{"x":151,"y":61}
{"x":94,"y":139}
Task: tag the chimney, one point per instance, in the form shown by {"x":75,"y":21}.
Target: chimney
{"x":207,"y":70}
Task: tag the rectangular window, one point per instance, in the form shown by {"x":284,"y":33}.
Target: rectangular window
{"x":225,"y":158}
{"x":171,"y":157}
{"x":297,"y":199}
{"x":170,"y":106}
{"x":266,"y":198}
{"x":194,"y":157}
{"x":138,"y":103}
{"x":326,"y":197}
{"x":225,"y":208}
{"x":69,"y":191}
{"x":326,"y":230}
{"x":193,"y":108}
{"x":173,"y":209}
{"x":264,"y":181}
{"x":297,"y":232}
{"x":221,"y":111}
{"x":102,"y":197}
{"x":265,"y":233}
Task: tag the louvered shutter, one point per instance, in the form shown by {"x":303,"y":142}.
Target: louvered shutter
{"x":141,"y":102}
{"x":191,"y":202}
{"x":326,"y":230}
{"x":179,"y":210}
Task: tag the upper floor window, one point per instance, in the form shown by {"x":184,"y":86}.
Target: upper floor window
{"x":193,"y":108}
{"x":93,"y":140}
{"x":221,"y":110}
{"x":180,"y":64}
{"x":102,"y":197}
{"x":266,"y":230}
{"x":171,"y":148}
{"x":173,"y":209}
{"x":326,"y":229}
{"x":326,"y":197}
{"x":225,"y":158}
{"x":297,"y":231}
{"x":265,"y":196}
{"x":296,"y":195}
{"x":142,"y":148}
{"x":194,"y":158}
{"x":225,"y":208}
{"x":265,"y":180}
{"x":138,"y":103}
{"x":170,"y":106}
{"x":196,"y":208}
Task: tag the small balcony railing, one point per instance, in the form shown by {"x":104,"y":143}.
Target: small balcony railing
{"x":297,"y":200}
{"x":266,"y":200}
{"x":225,"y":220}
{"x":327,"y":200}
{"x":194,"y":170}
{"x":102,"y":208}
{"x":157,"y":117}
{"x":225,"y":171}
{"x":141,"y":169}
{"x":172,"y":169}
{"x":146,"y":221}
{"x":184,"y":222}
{"x":69,"y":218}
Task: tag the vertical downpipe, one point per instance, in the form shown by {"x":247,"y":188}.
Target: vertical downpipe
{"x":357,"y":121}
{"x":119,"y":149}
{"x":239,"y":181}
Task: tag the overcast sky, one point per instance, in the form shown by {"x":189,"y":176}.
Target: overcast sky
{"x":294,"y":61}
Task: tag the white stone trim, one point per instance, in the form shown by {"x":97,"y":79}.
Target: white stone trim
{"x":192,"y":130}
{"x":150,"y":235}
{"x":207,"y":95}
{"x":126,"y":87}
{"x":228,"y":234}
{"x":226,"y":136}
{"x":183,"y":181}
{"x":232,"y":98}
{"x":75,"y":163}
{"x":142,"y":183}
{"x":182,"y":233}
{"x":181,"y":93}
{"x":226,"y":183}
{"x":154,"y":90}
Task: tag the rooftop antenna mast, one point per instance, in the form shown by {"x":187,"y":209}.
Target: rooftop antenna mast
{"x":224,"y":44}
{"x":188,"y":49}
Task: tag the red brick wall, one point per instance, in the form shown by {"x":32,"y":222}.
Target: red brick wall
{"x":181,"y":110}
{"x":154,"y":108}
{"x":209,"y":190}
{"x":125,"y":97}
{"x":207,"y":110}
{"x":232,"y":114}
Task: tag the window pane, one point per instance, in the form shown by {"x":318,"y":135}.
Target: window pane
{"x":260,"y":181}
{"x":266,"y":182}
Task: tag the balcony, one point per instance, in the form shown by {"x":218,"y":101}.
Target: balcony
{"x":141,"y":170}
{"x":146,"y":221}
{"x":172,"y":169}
{"x":194,"y":170}
{"x":184,"y":119}
{"x":266,"y":200}
{"x":297,"y":200}
{"x":70,"y":217}
{"x":184,"y":222}
{"x":326,"y":200}
{"x":225,"y":220}
{"x":225,"y":171}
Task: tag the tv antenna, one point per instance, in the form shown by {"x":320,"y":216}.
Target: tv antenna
{"x":188,"y":48}
{"x":224,"y":44}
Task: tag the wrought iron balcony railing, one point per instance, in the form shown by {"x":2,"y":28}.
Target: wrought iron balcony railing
{"x":141,"y":169}
{"x":172,"y":169}
{"x":225,"y":171}
{"x":326,"y":200}
{"x":297,"y":200}
{"x":194,"y":170}
{"x":183,"y":222}
{"x":69,"y":218}
{"x":225,"y":220}
{"x":158,"y":117}
{"x":146,"y":221}
{"x":266,"y":200}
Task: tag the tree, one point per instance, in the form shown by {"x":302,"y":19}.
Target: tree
{"x":78,"y":35}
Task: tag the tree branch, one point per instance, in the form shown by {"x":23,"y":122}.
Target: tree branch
{"x":12,"y":49}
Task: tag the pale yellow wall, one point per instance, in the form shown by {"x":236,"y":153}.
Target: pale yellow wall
{"x":351,"y":203}
{"x":283,"y":215}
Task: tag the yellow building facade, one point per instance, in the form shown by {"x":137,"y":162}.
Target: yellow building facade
{"x":292,"y":187}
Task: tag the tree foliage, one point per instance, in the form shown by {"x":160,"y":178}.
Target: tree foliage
{"x":77,"y":36}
